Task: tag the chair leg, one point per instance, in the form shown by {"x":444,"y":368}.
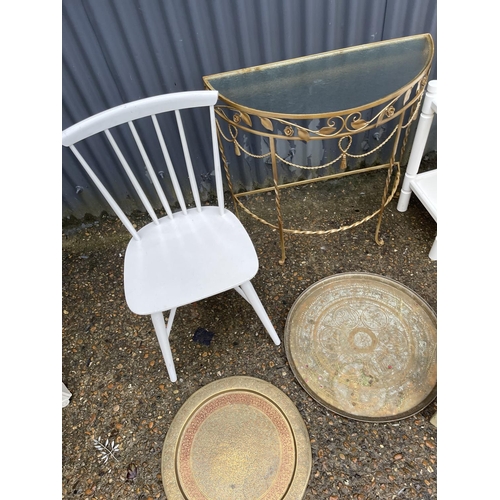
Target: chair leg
{"x":253,"y":299}
{"x":163,"y":332}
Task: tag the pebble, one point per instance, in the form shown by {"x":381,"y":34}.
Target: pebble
{"x":138,"y":394}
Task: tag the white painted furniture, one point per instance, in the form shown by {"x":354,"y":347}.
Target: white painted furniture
{"x":184,"y":256}
{"x":423,"y":185}
{"x":66,"y":395}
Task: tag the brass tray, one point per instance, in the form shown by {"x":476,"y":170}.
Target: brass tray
{"x":237,"y":438}
{"x":364,"y":346}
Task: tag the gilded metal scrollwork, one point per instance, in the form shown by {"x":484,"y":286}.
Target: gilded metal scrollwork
{"x":395,"y":113}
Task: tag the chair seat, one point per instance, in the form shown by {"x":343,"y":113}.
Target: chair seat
{"x":166,"y":268}
{"x":424,"y":186}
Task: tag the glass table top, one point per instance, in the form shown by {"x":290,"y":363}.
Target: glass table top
{"x":327,"y":82}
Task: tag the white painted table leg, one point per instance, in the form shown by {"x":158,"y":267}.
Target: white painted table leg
{"x":66,"y":395}
{"x":419,"y":142}
{"x":434,"y":420}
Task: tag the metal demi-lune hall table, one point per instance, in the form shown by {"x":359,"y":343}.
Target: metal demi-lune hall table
{"x":356,"y":105}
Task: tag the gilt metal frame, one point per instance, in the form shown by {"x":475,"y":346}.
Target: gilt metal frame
{"x":396,"y":112}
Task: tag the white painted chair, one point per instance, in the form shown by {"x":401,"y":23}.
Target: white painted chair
{"x":187,"y":255}
{"x":423,"y":185}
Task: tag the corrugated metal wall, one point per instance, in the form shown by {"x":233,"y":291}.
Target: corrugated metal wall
{"x":115,"y":51}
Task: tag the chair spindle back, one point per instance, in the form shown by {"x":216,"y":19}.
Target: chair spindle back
{"x":127,"y":114}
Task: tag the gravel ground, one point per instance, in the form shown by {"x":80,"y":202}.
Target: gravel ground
{"x":112,"y":364}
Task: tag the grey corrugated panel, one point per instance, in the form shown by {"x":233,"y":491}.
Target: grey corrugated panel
{"x":407,"y":17}
{"x":115,"y":51}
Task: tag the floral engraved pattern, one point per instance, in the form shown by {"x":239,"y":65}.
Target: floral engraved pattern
{"x":337,"y":124}
{"x":287,"y":459}
{"x":365,"y":347}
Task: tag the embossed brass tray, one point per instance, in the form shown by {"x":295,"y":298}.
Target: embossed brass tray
{"x":239,"y":437}
{"x":364,"y":346}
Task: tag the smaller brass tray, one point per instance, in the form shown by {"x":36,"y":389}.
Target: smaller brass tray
{"x":364,"y":346}
{"x":237,"y":438}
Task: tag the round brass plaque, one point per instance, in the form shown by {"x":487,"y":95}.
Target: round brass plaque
{"x":237,"y":438}
{"x":364,"y":346}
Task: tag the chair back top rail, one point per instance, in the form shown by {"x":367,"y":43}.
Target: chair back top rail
{"x":137,"y":109}
{"x":127,"y":113}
